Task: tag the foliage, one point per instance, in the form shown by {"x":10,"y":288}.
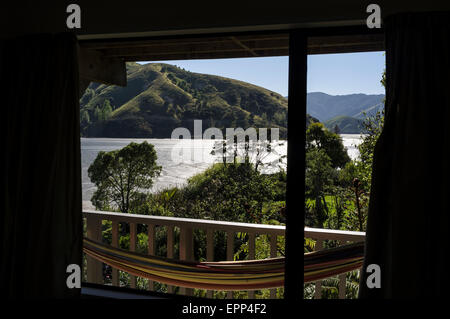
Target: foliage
{"x":373,"y":126}
{"x":338,"y":198}
{"x":372,"y":130}
{"x":319,"y":177}
{"x":226,"y":192}
{"x":122,"y":175}
{"x":318,"y":137}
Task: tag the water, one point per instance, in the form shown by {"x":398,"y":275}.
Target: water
{"x":174,"y":173}
{"x":196,"y":158}
{"x":351,"y":141}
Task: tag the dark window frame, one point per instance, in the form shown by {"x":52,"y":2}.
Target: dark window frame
{"x":301,"y":43}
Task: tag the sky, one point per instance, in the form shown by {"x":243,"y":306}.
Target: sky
{"x":334,"y":74}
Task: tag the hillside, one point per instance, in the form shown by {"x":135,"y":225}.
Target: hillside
{"x":326,"y":107}
{"x":344,"y":125}
{"x":161,"y":97}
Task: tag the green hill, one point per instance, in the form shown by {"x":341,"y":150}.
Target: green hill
{"x":344,"y":125}
{"x":161,"y":97}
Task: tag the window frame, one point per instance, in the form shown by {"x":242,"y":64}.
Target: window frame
{"x":301,"y":44}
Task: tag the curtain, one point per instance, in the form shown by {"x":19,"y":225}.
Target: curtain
{"x":408,"y":230}
{"x":40,"y":218}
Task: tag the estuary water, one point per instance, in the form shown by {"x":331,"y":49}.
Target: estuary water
{"x":179,"y":159}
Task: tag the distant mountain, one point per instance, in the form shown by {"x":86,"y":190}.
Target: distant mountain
{"x":161,"y":97}
{"x":344,"y":125}
{"x":325,"y":107}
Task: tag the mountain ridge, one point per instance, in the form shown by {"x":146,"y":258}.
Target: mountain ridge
{"x":325,"y":107}
{"x":343,"y":124}
{"x":160,"y":97}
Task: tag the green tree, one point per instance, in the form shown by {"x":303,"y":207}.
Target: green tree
{"x":336,"y":129}
{"x":280,"y":118}
{"x":122,"y":175}
{"x":318,"y":181}
{"x":317,"y":136}
{"x":97,"y":114}
{"x":233,"y":192}
{"x":84,"y":117}
{"x":372,"y":129}
{"x":106,"y":110}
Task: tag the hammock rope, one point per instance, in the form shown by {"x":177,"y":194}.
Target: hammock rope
{"x":225,"y":275}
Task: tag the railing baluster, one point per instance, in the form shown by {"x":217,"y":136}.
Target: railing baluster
{"x":132,"y":248}
{"x":342,"y":285}
{"x":186,"y":252}
{"x":94,"y":267}
{"x":251,"y":256}
{"x":230,"y":255}
{"x":209,"y":253}
{"x":170,"y":245}
{"x":318,"y":291}
{"x":151,"y":248}
{"x":342,"y":281}
{"x":273,"y":253}
{"x":115,"y":244}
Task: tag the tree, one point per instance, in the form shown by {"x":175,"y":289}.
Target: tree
{"x":318,"y":180}
{"x":262,"y":154}
{"x":97,"y":113}
{"x":122,"y":175}
{"x":234,"y":192}
{"x":317,"y":136}
{"x":372,"y":129}
{"x":106,"y":110}
{"x":336,"y":129}
{"x":84,"y":116}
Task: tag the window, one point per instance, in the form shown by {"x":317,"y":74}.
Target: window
{"x":181,"y":241}
{"x":345,"y":106}
{"x":217,"y":130}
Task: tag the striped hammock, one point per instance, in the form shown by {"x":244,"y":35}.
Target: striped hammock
{"x":225,"y":275}
{"x":334,"y":261}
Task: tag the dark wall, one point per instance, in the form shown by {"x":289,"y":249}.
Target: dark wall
{"x":109,"y":18}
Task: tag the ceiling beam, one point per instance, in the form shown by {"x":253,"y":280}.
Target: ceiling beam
{"x":94,"y":67}
{"x":235,"y":45}
{"x":243,"y":46}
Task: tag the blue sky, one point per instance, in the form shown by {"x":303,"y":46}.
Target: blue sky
{"x":329,"y":73}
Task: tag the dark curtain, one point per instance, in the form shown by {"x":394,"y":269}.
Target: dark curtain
{"x":408,"y":231}
{"x":41,"y":223}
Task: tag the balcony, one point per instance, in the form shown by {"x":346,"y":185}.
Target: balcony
{"x":186,"y":226}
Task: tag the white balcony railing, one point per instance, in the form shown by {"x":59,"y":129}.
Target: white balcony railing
{"x":186,"y":226}
{"x":343,"y":237}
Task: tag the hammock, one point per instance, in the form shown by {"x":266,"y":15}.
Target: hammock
{"x":331,"y":262}
{"x":225,"y":275}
